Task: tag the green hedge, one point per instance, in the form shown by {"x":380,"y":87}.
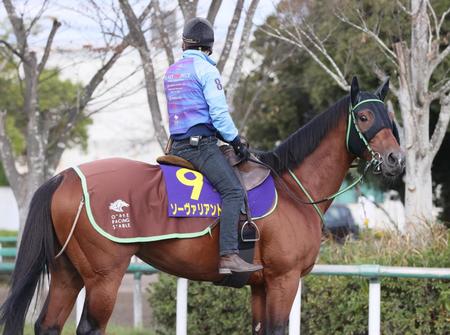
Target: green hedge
{"x":408,"y":306}
{"x":330,"y":305}
{"x":211,"y":309}
{"x":339,"y":305}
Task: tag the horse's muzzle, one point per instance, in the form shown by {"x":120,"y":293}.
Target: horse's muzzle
{"x":393,"y":164}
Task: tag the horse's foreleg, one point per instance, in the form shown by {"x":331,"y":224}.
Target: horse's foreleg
{"x":258,"y":309}
{"x":280,"y":295}
{"x":65,"y":285}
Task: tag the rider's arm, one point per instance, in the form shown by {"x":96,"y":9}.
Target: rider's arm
{"x":215,"y":97}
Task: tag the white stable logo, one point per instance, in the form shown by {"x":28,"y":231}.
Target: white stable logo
{"x":118,"y":205}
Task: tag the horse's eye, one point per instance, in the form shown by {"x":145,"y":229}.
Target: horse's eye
{"x":363,"y":118}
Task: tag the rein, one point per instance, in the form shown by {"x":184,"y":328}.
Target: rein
{"x":375,"y":161}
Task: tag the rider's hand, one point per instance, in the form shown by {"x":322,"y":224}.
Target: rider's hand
{"x":240,"y":149}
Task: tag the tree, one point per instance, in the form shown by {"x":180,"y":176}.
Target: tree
{"x":287,"y":89}
{"x":272,"y":101}
{"x":54,"y":92}
{"x":189,"y":9}
{"x":47,"y":128}
{"x":415,"y":54}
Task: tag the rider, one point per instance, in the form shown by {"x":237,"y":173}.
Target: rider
{"x":198,"y":114}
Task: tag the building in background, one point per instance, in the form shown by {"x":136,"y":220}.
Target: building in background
{"x":8,"y":209}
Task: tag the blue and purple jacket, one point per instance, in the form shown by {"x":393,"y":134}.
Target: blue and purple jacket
{"x":195,"y":97}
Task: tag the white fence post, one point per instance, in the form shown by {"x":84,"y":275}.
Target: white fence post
{"x":294,"y":316}
{"x":374,"y":306}
{"x":137,"y":300}
{"x":80,"y":303}
{"x":182,"y":295}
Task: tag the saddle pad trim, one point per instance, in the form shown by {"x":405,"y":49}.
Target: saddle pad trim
{"x":127,"y":240}
{"x":275,"y":204}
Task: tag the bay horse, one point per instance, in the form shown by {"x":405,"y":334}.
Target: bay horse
{"x":317,"y":155}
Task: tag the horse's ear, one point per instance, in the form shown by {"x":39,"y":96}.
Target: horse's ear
{"x":382,"y":91}
{"x":354,"y":91}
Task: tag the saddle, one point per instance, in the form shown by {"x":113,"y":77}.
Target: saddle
{"x":252,"y":174}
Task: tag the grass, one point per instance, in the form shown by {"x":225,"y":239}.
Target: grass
{"x":428,"y":249}
{"x":70,"y":329}
{"x":4,"y":232}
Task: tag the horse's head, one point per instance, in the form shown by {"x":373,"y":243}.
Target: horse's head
{"x":371,"y":131}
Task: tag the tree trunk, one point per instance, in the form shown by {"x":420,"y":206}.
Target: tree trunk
{"x":188,"y":8}
{"x":138,"y":41}
{"x":23,"y":204}
{"x":213,"y":10}
{"x":245,"y":40}
{"x":415,"y":109}
{"x":418,"y":191}
{"x":230,"y":35}
{"x":23,"y":198}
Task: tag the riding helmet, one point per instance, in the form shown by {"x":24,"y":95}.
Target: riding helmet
{"x":198,"y":32}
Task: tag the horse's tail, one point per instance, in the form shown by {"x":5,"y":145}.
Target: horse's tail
{"x":36,"y":256}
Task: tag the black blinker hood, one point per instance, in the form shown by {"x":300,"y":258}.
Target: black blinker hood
{"x":381,"y":120}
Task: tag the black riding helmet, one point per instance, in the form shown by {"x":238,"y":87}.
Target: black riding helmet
{"x":198,"y":32}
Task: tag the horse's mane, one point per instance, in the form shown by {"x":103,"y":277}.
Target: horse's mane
{"x":293,"y":150}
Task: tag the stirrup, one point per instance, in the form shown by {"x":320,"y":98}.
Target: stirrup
{"x":250,"y":239}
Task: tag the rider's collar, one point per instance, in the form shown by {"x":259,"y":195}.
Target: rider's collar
{"x":197,"y":53}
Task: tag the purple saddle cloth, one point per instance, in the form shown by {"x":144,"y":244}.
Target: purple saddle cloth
{"x":190,"y":194}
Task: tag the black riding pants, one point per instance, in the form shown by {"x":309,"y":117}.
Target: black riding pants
{"x":210,"y":161}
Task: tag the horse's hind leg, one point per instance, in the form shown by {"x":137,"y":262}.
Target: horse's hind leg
{"x":101,"y":293}
{"x":65,"y":284}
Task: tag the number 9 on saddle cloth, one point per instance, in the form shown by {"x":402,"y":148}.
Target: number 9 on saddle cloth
{"x":252,"y":176}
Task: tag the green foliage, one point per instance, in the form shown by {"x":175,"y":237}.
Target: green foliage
{"x":55,"y":92}
{"x":299,"y":83}
{"x":16,"y":137}
{"x":3,"y":179}
{"x":331,"y":304}
{"x":211,"y":309}
{"x":408,"y":306}
{"x":8,"y":233}
{"x":55,"y":97}
{"x":298,"y":88}
{"x":340,"y":305}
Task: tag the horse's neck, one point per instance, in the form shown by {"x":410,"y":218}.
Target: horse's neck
{"x":323,"y":171}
